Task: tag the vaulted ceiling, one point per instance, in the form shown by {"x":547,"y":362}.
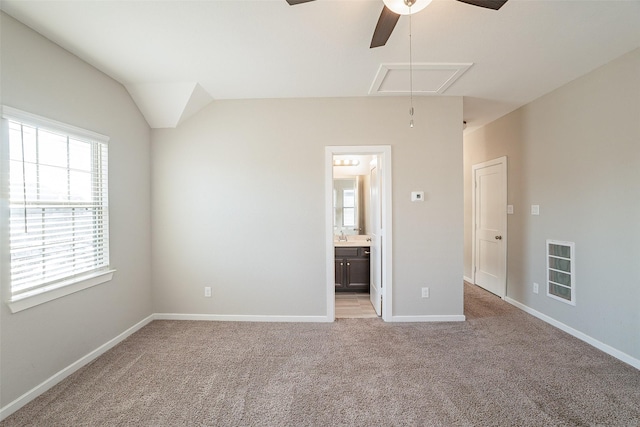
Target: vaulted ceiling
{"x":174,"y":57}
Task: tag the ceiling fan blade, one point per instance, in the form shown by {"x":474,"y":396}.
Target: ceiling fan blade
{"x":489,"y":4}
{"x":295,"y":2}
{"x":386,"y":23}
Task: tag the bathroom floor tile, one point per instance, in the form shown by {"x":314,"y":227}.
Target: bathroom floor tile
{"x":353,"y":305}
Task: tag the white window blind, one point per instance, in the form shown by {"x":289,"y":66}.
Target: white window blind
{"x":58,"y":204}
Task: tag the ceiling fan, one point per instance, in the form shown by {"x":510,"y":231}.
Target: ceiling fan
{"x":394,"y":8}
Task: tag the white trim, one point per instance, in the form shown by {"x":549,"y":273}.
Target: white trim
{"x":329,"y":248}
{"x":624,"y":357}
{"x":11,"y":113}
{"x":242,"y":318}
{"x":430,"y":318}
{"x":64,"y":373}
{"x":59,"y":290}
{"x":468,"y":279}
{"x":384,"y":151}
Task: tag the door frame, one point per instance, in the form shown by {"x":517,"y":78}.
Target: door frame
{"x":503,"y":162}
{"x":384,"y":153}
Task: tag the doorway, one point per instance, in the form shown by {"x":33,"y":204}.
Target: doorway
{"x":489,"y":225}
{"x":378,"y":225}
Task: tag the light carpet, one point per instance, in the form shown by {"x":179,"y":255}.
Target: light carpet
{"x":502,"y":367}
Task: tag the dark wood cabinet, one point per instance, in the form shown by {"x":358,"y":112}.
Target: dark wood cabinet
{"x":352,"y":269}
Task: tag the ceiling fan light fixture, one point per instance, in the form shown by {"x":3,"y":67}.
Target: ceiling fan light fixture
{"x":406,"y":7}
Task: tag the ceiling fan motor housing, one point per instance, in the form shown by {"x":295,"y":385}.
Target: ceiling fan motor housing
{"x":406,"y":7}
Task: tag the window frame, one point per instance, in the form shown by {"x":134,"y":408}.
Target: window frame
{"x":59,"y":288}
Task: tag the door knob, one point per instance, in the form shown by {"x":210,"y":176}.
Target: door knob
{"x":498,"y":237}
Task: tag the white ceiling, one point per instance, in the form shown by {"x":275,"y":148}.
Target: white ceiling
{"x":176,"y":56}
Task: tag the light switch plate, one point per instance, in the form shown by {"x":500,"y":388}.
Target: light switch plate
{"x":510,"y":209}
{"x":535,"y":209}
{"x":417,"y":196}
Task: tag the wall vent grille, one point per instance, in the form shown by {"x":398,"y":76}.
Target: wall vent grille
{"x":561,"y":278}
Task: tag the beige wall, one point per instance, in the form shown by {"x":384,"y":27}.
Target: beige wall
{"x":576,"y":153}
{"x":41,"y":78}
{"x":238,"y":202}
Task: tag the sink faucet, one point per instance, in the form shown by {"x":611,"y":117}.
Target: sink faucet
{"x":343,"y":237}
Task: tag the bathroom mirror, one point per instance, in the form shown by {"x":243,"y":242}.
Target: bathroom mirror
{"x":349,"y":209}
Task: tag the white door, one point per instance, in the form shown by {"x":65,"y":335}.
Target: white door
{"x":375,"y":287}
{"x":490,"y":225}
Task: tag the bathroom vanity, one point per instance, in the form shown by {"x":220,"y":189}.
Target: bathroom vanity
{"x":352,"y":268}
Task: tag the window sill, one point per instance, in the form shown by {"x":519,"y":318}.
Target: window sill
{"x":59,"y":290}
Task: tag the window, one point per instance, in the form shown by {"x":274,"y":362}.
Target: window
{"x":560,"y":271}
{"x":58,"y":209}
{"x":349,"y":208}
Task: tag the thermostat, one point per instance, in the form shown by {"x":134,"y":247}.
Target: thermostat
{"x":417,"y":196}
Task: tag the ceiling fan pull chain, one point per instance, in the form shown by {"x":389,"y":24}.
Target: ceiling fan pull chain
{"x":410,"y":74}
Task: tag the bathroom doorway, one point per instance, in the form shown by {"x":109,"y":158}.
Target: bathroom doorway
{"x":358,"y":226}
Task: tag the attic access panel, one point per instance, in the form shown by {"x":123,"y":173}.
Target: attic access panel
{"x":428,"y":78}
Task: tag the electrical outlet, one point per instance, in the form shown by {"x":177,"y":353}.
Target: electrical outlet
{"x":207,"y":291}
{"x":425,"y":292}
{"x":535,"y":288}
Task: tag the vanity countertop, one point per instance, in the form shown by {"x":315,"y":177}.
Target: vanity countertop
{"x":352,"y":243}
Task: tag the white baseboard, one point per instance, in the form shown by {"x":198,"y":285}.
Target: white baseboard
{"x":64,"y":373}
{"x":624,"y":357}
{"x":240,"y":317}
{"x":467,"y":279}
{"x":265,"y":318}
{"x":429,"y":318}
